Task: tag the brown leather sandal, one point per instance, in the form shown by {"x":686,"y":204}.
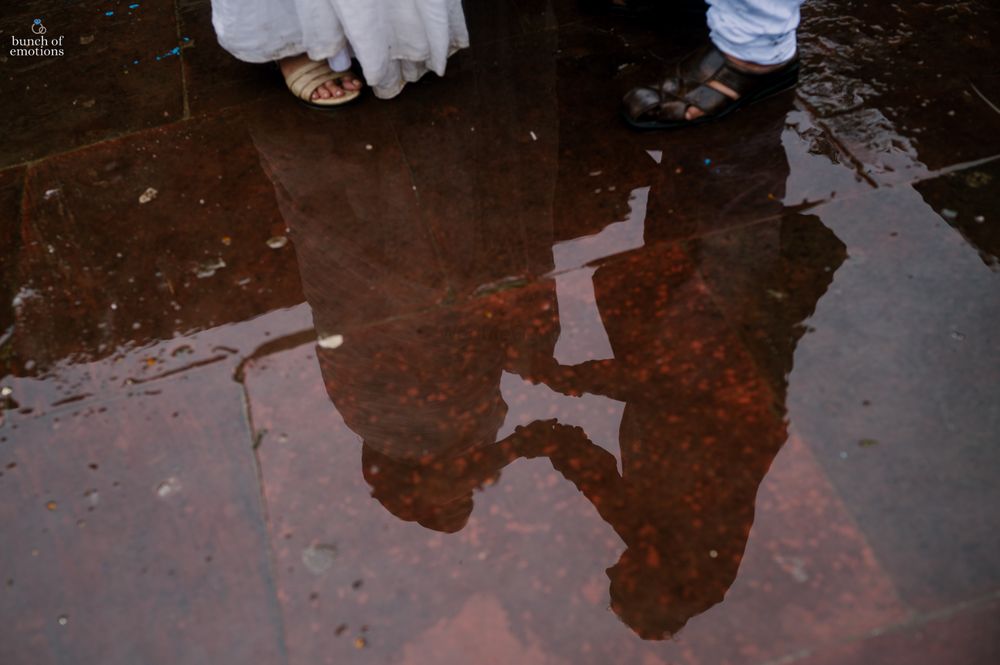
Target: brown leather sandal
{"x":664,"y":105}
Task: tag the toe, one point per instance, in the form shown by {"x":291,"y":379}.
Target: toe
{"x":334,"y":89}
{"x":693,"y":113}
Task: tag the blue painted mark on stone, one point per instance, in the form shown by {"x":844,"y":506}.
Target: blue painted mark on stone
{"x":172,"y":52}
{"x":109,"y":13}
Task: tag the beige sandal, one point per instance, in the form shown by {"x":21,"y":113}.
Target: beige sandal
{"x":307,"y":79}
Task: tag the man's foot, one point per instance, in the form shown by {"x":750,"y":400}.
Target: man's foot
{"x":693,"y":112}
{"x":706,"y":85}
{"x":346,"y":84}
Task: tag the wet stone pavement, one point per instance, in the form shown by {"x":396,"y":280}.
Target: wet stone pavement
{"x":479,"y":376}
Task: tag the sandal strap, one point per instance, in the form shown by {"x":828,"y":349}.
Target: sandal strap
{"x":737,"y":81}
{"x":702,"y":65}
{"x":303,"y":82}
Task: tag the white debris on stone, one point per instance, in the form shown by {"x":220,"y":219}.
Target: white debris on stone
{"x":208,"y":268}
{"x":169,"y":486}
{"x":148,"y":195}
{"x":331,"y":341}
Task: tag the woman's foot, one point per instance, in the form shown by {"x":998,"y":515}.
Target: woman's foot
{"x":346,"y":84}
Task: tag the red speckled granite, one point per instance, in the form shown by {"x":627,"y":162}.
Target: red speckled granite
{"x":480,"y":376}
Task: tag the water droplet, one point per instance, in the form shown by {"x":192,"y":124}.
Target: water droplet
{"x":277,"y":242}
{"x":63,"y":620}
{"x":713,"y":553}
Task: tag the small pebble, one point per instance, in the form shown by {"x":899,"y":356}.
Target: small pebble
{"x":148,"y":195}
{"x":168,"y":487}
{"x":331,"y":342}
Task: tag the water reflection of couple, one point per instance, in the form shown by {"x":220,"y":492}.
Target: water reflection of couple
{"x":701,"y":345}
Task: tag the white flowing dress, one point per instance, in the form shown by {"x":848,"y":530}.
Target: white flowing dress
{"x":395,"y":41}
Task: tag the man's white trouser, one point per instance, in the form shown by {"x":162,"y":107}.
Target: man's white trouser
{"x":760,"y":31}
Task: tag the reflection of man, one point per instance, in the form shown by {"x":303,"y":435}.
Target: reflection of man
{"x":702,"y":423}
{"x":703,"y":336}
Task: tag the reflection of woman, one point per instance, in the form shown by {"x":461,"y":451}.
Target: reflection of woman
{"x":382,"y":238}
{"x":313,"y":41}
{"x":424,"y":395}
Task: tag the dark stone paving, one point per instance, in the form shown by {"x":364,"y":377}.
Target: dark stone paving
{"x":478,"y":375}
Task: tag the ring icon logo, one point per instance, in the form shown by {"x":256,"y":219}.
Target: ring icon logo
{"x":37,"y":46}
